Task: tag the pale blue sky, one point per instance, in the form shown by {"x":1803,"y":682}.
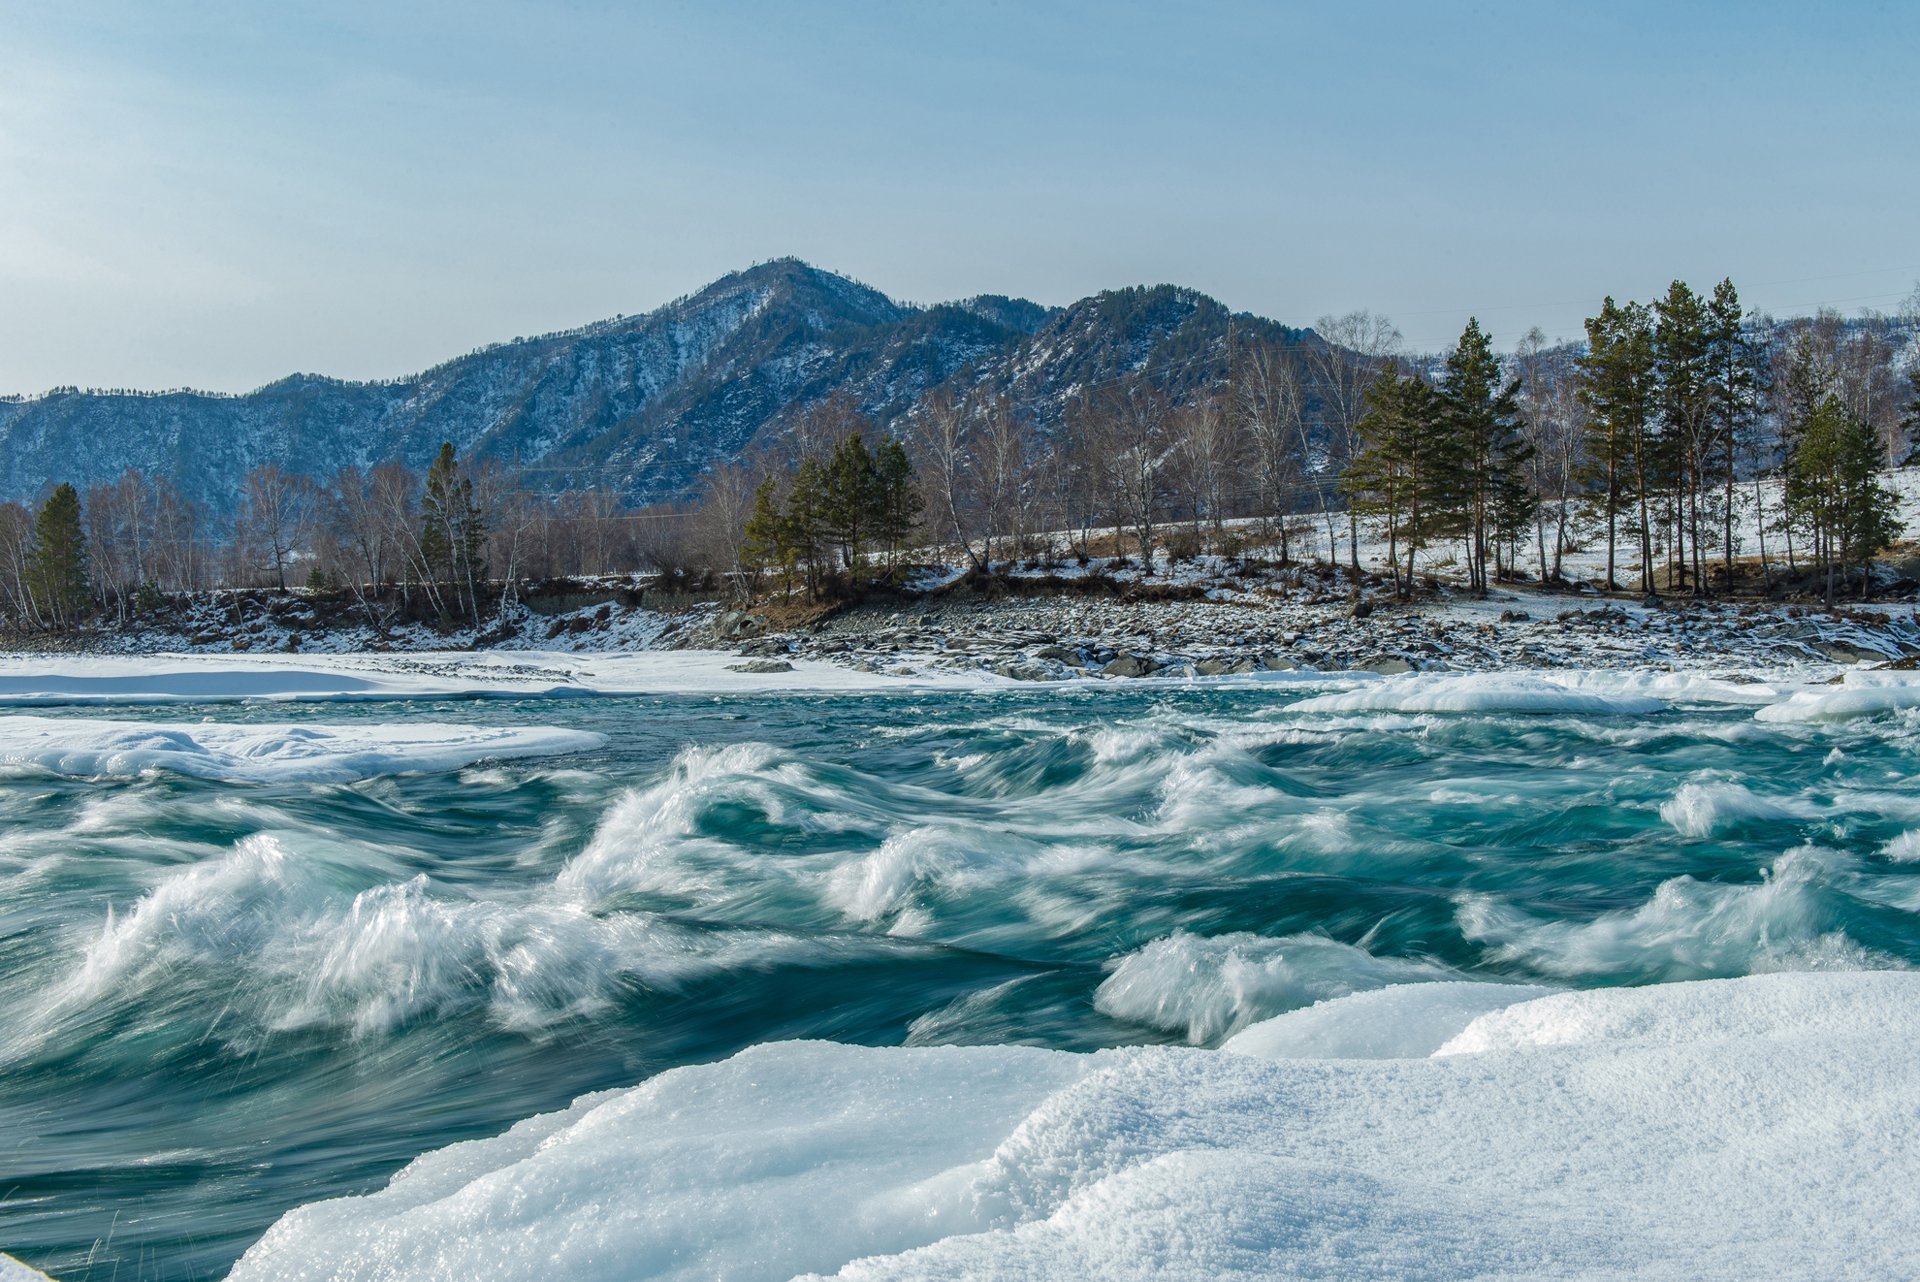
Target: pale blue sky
{"x":217,"y":193}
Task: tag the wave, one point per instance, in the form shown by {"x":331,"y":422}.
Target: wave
{"x":1792,"y":919}
{"x":252,"y":753}
{"x":1205,"y":988}
{"x":1479,"y":693}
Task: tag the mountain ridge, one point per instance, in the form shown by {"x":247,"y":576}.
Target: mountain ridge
{"x":644,"y":403}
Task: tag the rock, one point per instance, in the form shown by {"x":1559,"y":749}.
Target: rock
{"x":733,"y":625}
{"x":1847,"y":652}
{"x":1130,"y":665}
{"x":761,"y":665}
{"x":1021,"y":670}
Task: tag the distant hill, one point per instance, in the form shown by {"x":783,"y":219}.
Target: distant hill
{"x":645,"y":403}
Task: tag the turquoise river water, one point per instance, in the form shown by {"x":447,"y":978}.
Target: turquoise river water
{"x":222,"y":1000}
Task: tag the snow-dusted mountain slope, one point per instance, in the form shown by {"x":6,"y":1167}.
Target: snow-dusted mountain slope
{"x":643,"y":403}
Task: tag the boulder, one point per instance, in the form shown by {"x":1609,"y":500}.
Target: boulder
{"x":761,"y":665}
{"x":733,"y":625}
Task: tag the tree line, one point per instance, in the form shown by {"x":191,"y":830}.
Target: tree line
{"x":1650,"y":438}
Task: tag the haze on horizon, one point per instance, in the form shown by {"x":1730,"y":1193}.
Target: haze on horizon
{"x":219,"y":194}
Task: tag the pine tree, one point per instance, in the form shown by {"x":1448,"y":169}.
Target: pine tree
{"x":1617,"y":388}
{"x":1399,"y":476}
{"x":762,"y":545}
{"x":899,"y":503}
{"x":57,"y":577}
{"x":1683,"y":368}
{"x":803,"y":521}
{"x":1833,"y":491}
{"x":1480,"y":416}
{"x":850,"y":499}
{"x":1735,"y":365}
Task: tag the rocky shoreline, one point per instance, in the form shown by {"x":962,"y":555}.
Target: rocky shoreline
{"x":1055,"y":631}
{"x":1051,"y":639}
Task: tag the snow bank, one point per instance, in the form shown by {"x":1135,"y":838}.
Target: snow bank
{"x":11,"y":1270}
{"x":269,"y":753}
{"x":1860,"y":694}
{"x":54,"y":680}
{"x":1478,"y":692}
{"x":1728,"y":1129}
{"x":1407,"y":1021}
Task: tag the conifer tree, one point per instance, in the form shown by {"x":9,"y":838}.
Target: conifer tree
{"x":1735,"y":365}
{"x":1617,"y":388}
{"x":1480,"y":417}
{"x":803,"y":523}
{"x":1683,"y":369}
{"x":850,"y":499}
{"x":1833,"y":491}
{"x":899,"y":501}
{"x":57,"y":576}
{"x":1400,"y":475}
{"x":762,"y":543}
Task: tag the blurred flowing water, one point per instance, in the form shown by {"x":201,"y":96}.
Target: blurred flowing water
{"x":220,"y":1001}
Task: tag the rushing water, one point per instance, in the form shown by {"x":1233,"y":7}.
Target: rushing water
{"x":218,"y":1001}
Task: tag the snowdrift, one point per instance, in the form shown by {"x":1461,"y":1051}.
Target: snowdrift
{"x":1721,"y":1129}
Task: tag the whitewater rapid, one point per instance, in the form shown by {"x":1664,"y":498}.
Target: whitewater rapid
{"x":1328,"y":975}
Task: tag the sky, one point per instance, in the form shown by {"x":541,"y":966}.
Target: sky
{"x":212,"y":193}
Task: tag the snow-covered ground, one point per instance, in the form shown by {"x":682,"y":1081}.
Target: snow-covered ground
{"x":1733,"y":1129}
{"x":48,"y":680}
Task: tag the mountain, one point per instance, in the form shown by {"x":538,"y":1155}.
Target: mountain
{"x":643,"y":403}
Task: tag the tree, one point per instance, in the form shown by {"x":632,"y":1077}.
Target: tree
{"x":1353,"y":351}
{"x":1272,"y":410}
{"x":1683,"y":369}
{"x":898,"y":503}
{"x":1480,"y":415}
{"x":273,"y":510}
{"x":1400,"y":476}
{"x":1617,"y":389}
{"x":1553,"y":419}
{"x":1833,"y":491}
{"x":1734,"y":360}
{"x":453,"y":533}
{"x":849,"y":498}
{"x":57,"y":574}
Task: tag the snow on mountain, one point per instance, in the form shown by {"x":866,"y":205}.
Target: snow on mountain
{"x":643,"y":403}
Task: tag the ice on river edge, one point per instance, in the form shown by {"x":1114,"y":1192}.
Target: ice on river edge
{"x":1720,"y":1129}
{"x":261,"y":753}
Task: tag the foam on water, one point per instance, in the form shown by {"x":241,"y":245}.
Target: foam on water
{"x":1479,"y":693}
{"x":1689,"y":929}
{"x":1205,"y":988}
{"x":268,"y":753}
{"x":320,"y":982}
